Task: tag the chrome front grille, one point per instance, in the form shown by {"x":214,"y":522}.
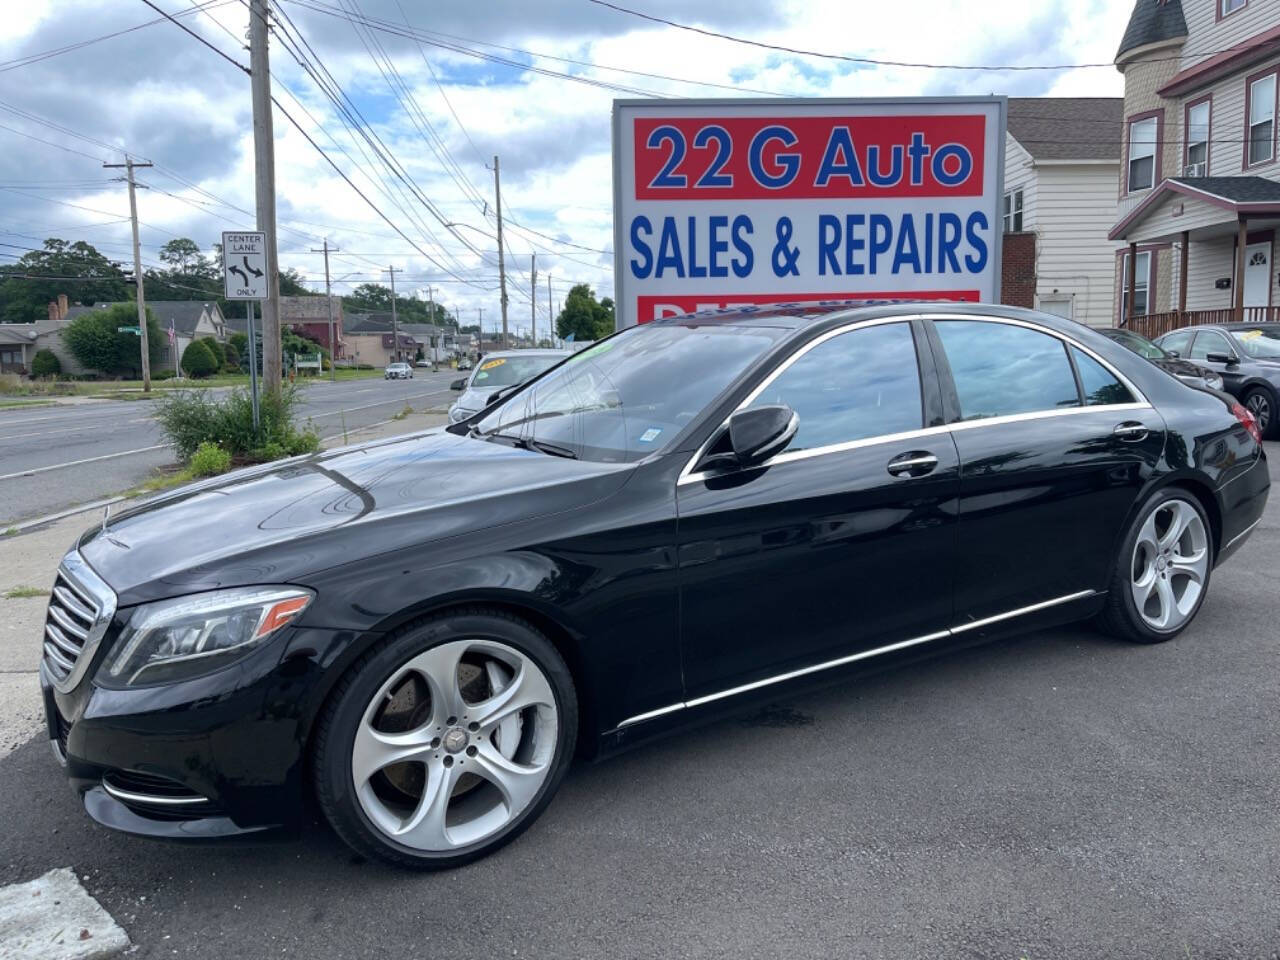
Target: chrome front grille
{"x":80,"y":608}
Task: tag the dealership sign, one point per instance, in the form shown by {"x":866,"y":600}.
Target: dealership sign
{"x":726,"y":203}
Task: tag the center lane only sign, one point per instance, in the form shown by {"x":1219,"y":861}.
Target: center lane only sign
{"x":727,"y":203}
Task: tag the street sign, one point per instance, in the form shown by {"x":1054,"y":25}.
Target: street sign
{"x":244,"y":264}
{"x":731,"y":203}
{"x":129,"y":330}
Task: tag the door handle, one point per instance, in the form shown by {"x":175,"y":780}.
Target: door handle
{"x":917,"y":463}
{"x":1131,"y":430}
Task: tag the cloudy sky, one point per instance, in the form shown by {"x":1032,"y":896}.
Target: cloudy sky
{"x":443,"y":85}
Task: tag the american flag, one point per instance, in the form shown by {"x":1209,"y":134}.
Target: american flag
{"x":172,"y":333}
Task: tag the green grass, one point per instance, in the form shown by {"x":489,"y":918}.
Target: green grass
{"x":6,"y":404}
{"x":25,"y":593}
{"x":11,"y":532}
{"x":403,"y":413}
{"x":14,"y":386}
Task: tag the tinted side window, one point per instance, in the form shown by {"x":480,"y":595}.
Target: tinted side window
{"x":1208,"y":342}
{"x":864,"y":383}
{"x":1000,"y":369}
{"x":1100,"y":385}
{"x":1177,"y":342}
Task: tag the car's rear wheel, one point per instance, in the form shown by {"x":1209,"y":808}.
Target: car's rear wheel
{"x":447,"y":740}
{"x":1261,"y":402}
{"x":1162,"y":574}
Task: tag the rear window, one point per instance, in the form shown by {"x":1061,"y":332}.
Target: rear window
{"x":1001,"y":369}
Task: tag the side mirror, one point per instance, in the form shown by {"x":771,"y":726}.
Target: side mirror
{"x":1228,"y":358}
{"x":459,"y":384}
{"x":1173,"y":353}
{"x":757,"y":434}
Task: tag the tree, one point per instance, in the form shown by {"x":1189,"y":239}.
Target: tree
{"x":215,"y":348}
{"x":231,"y":356}
{"x":198,"y":360}
{"x":582,"y":317}
{"x":95,"y":340}
{"x":181,"y":253}
{"x":45,"y":364}
{"x":239,"y":342}
{"x":25,"y":297}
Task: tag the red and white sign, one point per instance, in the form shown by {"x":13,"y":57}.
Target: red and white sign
{"x":726,"y":203}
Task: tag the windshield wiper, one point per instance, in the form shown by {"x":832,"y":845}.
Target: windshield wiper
{"x":527,"y":443}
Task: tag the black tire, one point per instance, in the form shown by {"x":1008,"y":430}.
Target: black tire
{"x":1261,"y":402}
{"x":336,"y":729}
{"x":1120,"y":616}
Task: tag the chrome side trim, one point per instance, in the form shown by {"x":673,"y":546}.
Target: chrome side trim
{"x":853,"y":658}
{"x":128,"y":796}
{"x":1241,"y":535}
{"x":975,"y":624}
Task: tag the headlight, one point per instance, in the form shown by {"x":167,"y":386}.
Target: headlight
{"x":1213,"y":381}
{"x":188,"y":636}
{"x":457,"y":414}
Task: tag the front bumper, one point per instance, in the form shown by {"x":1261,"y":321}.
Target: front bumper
{"x":217,"y":756}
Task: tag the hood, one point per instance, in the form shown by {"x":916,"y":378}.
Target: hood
{"x":1182,"y":368}
{"x":283,"y":522}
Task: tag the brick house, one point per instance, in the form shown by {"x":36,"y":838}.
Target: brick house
{"x":1062,"y":156}
{"x":1199,"y":190}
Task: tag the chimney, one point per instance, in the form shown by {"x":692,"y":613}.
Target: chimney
{"x":62,"y":306}
{"x":53,"y":311}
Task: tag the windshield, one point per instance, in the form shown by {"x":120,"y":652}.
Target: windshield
{"x":1263,"y":343}
{"x":501,"y":372}
{"x":629,"y":396}
{"x":1138,"y":344}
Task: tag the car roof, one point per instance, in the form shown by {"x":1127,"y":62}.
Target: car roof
{"x":539,"y":352}
{"x":801,"y":316}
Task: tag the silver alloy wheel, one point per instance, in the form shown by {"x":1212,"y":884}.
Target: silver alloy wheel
{"x":1259,"y":405}
{"x":455,"y":745}
{"x":1170,"y":563}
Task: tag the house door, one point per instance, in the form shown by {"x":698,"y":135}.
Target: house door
{"x":1257,"y":274}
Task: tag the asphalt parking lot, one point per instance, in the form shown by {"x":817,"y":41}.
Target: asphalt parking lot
{"x":1060,"y":795}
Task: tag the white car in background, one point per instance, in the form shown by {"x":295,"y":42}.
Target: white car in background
{"x":397,"y":371}
{"x":496,"y":373}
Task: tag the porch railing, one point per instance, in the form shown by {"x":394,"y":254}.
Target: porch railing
{"x":1153,"y":325}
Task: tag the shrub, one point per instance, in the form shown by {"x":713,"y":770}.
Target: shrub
{"x":165,"y":374}
{"x":94,"y":339}
{"x":197,"y":359}
{"x":192,"y":417}
{"x":45,"y":364}
{"x":209,"y":460}
{"x":240,"y":341}
{"x":231,"y":363}
{"x":215,"y":348}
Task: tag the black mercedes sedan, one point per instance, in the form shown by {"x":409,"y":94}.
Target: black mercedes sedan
{"x":682,"y":520}
{"x":1246,"y":355}
{"x":1171,"y":363}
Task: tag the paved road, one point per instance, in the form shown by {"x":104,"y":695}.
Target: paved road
{"x":54,"y":457}
{"x":1058,"y":796}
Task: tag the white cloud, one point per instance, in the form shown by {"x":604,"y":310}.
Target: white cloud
{"x":168,"y":98}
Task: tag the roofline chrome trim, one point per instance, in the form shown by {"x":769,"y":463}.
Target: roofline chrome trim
{"x":1142,"y":403}
{"x":854,"y":658}
{"x":129,"y":796}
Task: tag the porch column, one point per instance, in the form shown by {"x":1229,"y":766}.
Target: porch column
{"x":1182,"y":275}
{"x":1241,"y":242}
{"x":1133,"y":284}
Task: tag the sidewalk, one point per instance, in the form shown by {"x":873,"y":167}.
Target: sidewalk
{"x":29,"y":561}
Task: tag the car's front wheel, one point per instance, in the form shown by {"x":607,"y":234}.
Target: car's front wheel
{"x":1162,"y":574}
{"x":1261,"y":402}
{"x":446,"y":740}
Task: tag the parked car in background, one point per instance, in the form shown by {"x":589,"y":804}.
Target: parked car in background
{"x":497,"y":372}
{"x":422,"y":363}
{"x":464,"y":363}
{"x":397,"y":371}
{"x":695,"y":516}
{"x":1245,"y":355}
{"x":1184,"y":370}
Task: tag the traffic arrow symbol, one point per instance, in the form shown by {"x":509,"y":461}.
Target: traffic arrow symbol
{"x":243,"y":275}
{"x":248,"y":266}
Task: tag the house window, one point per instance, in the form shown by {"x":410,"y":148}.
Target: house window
{"x":1142,"y":292}
{"x":1231,"y":6}
{"x":1262,"y":119}
{"x":1198,"y":139}
{"x":1142,"y":154}
{"x":1013,"y":211}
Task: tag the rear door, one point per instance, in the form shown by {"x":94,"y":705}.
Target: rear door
{"x":1054,"y":447}
{"x":842,"y":543}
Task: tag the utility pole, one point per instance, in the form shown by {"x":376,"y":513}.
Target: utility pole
{"x":533,"y":300}
{"x":264,"y":164}
{"x":328,"y":299}
{"x":552,"y":321}
{"x":502,"y":271}
{"x":431,"y":312}
{"x":395,"y":325}
{"x":137,"y":273}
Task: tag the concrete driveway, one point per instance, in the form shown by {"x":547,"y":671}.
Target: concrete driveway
{"x":1061,"y":795}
